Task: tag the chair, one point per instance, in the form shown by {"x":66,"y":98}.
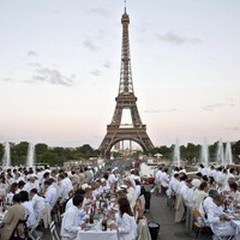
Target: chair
{"x":20,"y":232}
{"x":200,"y":225}
{"x":56,"y":212}
{"x":143,"y":230}
{"x":53,"y":231}
{"x":33,"y":229}
{"x":218,"y":237}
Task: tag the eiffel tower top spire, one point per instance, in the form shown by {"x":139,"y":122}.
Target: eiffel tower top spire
{"x":126,"y":84}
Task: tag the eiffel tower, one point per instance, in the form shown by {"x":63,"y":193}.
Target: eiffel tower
{"x":125,"y":100}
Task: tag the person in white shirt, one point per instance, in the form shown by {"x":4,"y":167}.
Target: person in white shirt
{"x":174,"y":185}
{"x":234,"y":193}
{"x":203,"y":170}
{"x":32,"y":183}
{"x":28,"y":206}
{"x":212,"y":172}
{"x":200,"y":195}
{"x":220,"y":223}
{"x":51,"y":194}
{"x":11,"y":193}
{"x":130,"y":192}
{"x":165,"y":179}
{"x":69,"y":183}
{"x":63,"y":187}
{"x":137,"y":190}
{"x":112,"y":178}
{"x":158,"y":179}
{"x":187,"y":193}
{"x":37,"y":201}
{"x":70,"y":223}
{"x":82,"y":213}
{"x":125,"y":221}
{"x":207,"y":203}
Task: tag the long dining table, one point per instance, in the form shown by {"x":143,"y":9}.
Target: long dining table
{"x":97,"y":235}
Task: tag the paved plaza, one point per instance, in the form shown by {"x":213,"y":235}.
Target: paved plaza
{"x":169,"y":230}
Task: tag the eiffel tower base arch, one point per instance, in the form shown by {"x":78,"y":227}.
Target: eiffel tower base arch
{"x":116,"y":134}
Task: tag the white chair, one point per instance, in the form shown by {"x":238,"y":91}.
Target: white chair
{"x":53,"y":231}
{"x":216,"y":236}
{"x":46,"y":215}
{"x":31,"y":232}
{"x":143,"y":230}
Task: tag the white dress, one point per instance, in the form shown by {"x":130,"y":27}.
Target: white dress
{"x":127,"y":227}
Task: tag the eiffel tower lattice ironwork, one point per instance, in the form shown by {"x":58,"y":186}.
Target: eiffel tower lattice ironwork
{"x":125,"y":100}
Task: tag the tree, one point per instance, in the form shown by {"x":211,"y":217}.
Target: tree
{"x":1,"y":151}
{"x":51,"y":158}
{"x":19,"y":153}
{"x":40,"y":150}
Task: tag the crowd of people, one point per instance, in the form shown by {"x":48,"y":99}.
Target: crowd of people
{"x":212,"y":192}
{"x":73,"y":197}
{"x":76,"y":197}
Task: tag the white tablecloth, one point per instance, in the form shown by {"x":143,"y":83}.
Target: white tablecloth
{"x":97,"y":235}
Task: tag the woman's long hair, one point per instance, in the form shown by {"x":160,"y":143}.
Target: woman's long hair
{"x":124,"y":207}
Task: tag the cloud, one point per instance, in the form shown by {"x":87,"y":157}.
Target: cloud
{"x":8,"y":79}
{"x":107,"y":65}
{"x":212,"y":107}
{"x":35,"y":64}
{"x":96,"y":72}
{"x":52,"y":76}
{"x":32,"y":53}
{"x":90,"y":45}
{"x":234,"y":129}
{"x":170,"y":110}
{"x":173,"y":38}
{"x":103,"y":12}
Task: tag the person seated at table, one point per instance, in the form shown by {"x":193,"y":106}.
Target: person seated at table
{"x":37,"y":202}
{"x":21,"y":185}
{"x":97,"y":189}
{"x":82,"y":212}
{"x":70,"y":223}
{"x":14,"y":214}
{"x":11,"y":193}
{"x":3,"y":189}
{"x":234,"y":193}
{"x":28,"y":206}
{"x":200,"y":194}
{"x":220,"y":223}
{"x":207,"y":203}
{"x":51,"y":194}
{"x":125,"y":222}
{"x":31,"y":183}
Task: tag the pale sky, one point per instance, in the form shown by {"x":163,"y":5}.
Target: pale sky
{"x":60,"y":69}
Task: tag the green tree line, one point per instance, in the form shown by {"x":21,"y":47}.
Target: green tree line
{"x":59,"y":155}
{"x":46,"y":154}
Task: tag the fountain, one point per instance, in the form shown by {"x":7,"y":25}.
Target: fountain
{"x":31,"y":155}
{"x":220,"y":153}
{"x":7,"y":156}
{"x":204,"y":153}
{"x":228,"y":154}
{"x":176,"y":154}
